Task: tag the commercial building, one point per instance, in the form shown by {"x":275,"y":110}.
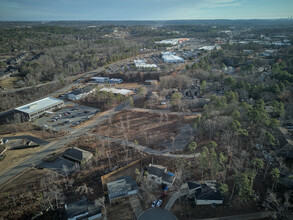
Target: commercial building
{"x":35,"y":109}
{"x":122,"y":187}
{"x":78,"y":94}
{"x":170,"y":57}
{"x":143,"y":64}
{"x":123,"y":92}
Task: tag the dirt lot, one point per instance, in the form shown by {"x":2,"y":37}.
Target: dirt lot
{"x":148,"y":129}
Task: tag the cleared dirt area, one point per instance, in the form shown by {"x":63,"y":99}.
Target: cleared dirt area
{"x":14,"y":157}
{"x":145,"y":128}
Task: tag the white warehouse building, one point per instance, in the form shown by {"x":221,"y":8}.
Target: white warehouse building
{"x":170,"y":57}
{"x":35,"y":109}
{"x":143,"y":64}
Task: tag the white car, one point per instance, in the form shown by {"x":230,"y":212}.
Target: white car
{"x":159,"y":203}
{"x":154,"y":203}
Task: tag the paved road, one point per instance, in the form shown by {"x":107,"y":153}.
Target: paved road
{"x":53,"y":146}
{"x":31,"y":138}
{"x":183,"y":191}
{"x":36,"y":159}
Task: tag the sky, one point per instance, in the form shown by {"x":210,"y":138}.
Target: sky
{"x":52,"y":10}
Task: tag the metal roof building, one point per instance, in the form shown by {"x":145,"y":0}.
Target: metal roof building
{"x":124,"y":92}
{"x":170,"y":57}
{"x":143,"y":64}
{"x":35,"y":109}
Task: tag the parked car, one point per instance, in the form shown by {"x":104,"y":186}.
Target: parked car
{"x":159,"y":203}
{"x":154,"y":203}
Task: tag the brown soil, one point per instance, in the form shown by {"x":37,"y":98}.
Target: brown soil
{"x":186,"y":209}
{"x":19,"y":197}
{"x":148,"y":129}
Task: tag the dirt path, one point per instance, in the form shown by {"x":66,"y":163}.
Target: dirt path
{"x":166,"y":112}
{"x":165,"y":153}
{"x":135,"y":204}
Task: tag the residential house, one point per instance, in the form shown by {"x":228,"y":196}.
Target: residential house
{"x":77,"y":155}
{"x":121,"y":188}
{"x":205,"y":193}
{"x":159,"y":175}
{"x":83,"y":210}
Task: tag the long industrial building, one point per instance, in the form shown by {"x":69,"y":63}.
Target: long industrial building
{"x":35,"y":109}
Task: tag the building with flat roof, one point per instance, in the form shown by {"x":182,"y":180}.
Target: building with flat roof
{"x":123,"y":92}
{"x":170,"y":57}
{"x":122,"y":187}
{"x":35,"y":109}
{"x":143,"y":64}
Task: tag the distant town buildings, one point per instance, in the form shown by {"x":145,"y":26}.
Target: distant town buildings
{"x":106,"y":80}
{"x":143,"y":64}
{"x":173,"y":41}
{"x":35,"y":109}
{"x":78,"y":94}
{"x":171,"y":57}
{"x":123,"y":92}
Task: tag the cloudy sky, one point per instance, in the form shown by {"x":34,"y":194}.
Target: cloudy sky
{"x":36,"y":10}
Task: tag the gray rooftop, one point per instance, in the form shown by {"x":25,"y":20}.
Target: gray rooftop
{"x":121,"y":187}
{"x":157,"y":170}
{"x":38,"y":105}
{"x":77,"y":154}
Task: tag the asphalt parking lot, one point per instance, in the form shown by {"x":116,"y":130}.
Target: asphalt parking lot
{"x":67,"y":117}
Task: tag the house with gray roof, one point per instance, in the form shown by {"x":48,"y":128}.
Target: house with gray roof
{"x":159,"y":175}
{"x":82,"y":210}
{"x":77,"y":155}
{"x":120,"y":188}
{"x":205,"y":193}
